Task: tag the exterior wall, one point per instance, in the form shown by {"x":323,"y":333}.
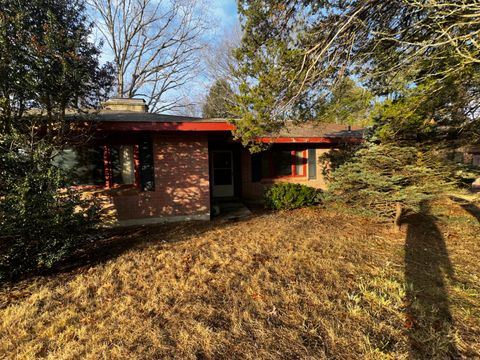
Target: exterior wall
{"x":254,"y":190}
{"x":182,"y":189}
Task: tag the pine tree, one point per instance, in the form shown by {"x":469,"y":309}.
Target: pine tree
{"x":219,"y":101}
{"x":391,"y":180}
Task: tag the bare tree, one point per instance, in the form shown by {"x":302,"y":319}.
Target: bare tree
{"x":219,"y":57}
{"x":155,"y":46}
{"x":221,"y":78}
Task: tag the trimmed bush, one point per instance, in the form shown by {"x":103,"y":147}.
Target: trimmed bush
{"x":285,"y":196}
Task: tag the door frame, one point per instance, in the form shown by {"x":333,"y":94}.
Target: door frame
{"x":231,"y":191}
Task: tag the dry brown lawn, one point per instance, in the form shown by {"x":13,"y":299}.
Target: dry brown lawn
{"x":304,"y":284}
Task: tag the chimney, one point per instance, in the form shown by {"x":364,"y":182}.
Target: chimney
{"x":125,"y":104}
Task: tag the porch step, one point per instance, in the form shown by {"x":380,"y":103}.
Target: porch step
{"x":231,"y":210}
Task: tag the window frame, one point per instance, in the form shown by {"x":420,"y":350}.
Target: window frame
{"x":108,"y":182}
{"x":92,"y":186}
{"x":268,"y":156}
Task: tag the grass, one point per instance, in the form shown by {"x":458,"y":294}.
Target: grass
{"x":303,"y":284}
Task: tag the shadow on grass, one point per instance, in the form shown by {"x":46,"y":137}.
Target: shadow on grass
{"x":427,"y":269}
{"x":469,"y":207}
{"x":109,"y":244}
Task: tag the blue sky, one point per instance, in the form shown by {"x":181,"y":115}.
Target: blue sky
{"x":222,"y":18}
{"x":226,"y":12}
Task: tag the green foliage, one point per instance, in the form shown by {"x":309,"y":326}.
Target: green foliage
{"x":381,"y":176}
{"x":348,"y":103}
{"x":333,"y":159}
{"x":47,"y":65}
{"x":219,"y":101}
{"x":427,"y":113}
{"x":40,"y":225}
{"x":286,"y":196}
{"x":420,"y":57}
{"x":46,"y":58}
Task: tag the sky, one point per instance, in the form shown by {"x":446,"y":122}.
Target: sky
{"x":223,"y":20}
{"x":226,"y":12}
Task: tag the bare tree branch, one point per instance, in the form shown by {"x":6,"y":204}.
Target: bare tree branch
{"x":156,"y":46}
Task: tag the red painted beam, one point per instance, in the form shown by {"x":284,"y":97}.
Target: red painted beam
{"x":131,"y":126}
{"x":325,"y":140}
{"x":164,"y":126}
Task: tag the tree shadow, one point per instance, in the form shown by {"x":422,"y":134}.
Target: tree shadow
{"x":108,"y":244}
{"x":427,"y":269}
{"x":469,"y":207}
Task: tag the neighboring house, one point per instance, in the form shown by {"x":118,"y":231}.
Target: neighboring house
{"x":151,"y":168}
{"x":470,"y":156}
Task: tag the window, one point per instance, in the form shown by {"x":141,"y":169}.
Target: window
{"x":283,"y":163}
{"x":84,"y":166}
{"x":299,"y":163}
{"x":107,"y":165}
{"x":122,"y":164}
{"x":476,"y":160}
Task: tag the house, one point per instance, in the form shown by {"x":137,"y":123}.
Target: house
{"x":149,"y":168}
{"x":470,"y":156}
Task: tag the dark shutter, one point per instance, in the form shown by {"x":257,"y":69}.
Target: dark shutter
{"x":312,"y":164}
{"x":256,"y":167}
{"x":147,"y":169}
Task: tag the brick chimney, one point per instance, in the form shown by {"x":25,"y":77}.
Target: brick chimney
{"x":125,"y":104}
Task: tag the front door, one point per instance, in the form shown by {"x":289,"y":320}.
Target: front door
{"x":222,"y":173}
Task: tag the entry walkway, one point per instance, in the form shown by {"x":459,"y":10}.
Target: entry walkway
{"x":229,"y":209}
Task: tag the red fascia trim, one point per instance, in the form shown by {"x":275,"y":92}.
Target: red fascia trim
{"x":106,"y":167}
{"x":306,"y":140}
{"x":136,"y":163}
{"x":165,"y":126}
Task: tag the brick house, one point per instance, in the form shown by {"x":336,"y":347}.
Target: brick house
{"x":149,"y":168}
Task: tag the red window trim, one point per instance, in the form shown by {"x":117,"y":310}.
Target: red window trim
{"x":107,"y":169}
{"x":108,"y":175}
{"x":107,"y":163}
{"x":293,"y":166}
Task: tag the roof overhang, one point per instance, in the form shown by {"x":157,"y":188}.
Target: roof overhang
{"x":213,"y":126}
{"x":310,"y":140}
{"x":165,"y":126}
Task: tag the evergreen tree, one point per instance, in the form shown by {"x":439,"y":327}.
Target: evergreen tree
{"x":391,"y":180}
{"x":47,"y":66}
{"x":292,"y":52}
{"x":219,"y":101}
{"x":348,"y":103}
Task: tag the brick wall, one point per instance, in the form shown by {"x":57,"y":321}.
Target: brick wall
{"x":182,"y":186}
{"x":254,"y":190}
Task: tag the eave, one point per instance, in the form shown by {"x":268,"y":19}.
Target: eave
{"x":164,"y":126}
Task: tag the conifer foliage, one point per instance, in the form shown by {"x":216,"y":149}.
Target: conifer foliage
{"x":391,"y":180}
{"x":47,"y":66}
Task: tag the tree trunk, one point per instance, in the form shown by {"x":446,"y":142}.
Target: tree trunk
{"x":120,"y":82}
{"x":398,"y":216}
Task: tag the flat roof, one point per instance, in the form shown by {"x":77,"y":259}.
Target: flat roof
{"x":134,"y":116}
{"x":292,"y":132}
